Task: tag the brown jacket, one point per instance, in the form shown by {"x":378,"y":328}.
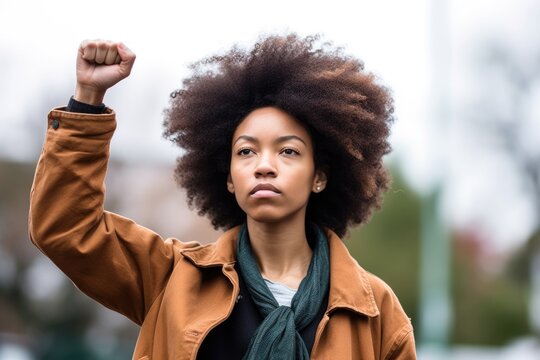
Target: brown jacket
{"x":177,"y":292}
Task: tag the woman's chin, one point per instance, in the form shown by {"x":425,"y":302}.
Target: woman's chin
{"x":271,"y":216}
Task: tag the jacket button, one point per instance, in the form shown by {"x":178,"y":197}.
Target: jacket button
{"x":55,"y":124}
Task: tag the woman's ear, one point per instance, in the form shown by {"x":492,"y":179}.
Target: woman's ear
{"x":319,"y":183}
{"x":230,"y":185}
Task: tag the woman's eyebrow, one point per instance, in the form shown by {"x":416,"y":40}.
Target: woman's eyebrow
{"x":289,"y":137}
{"x":280,"y":139}
{"x":247,"y":138}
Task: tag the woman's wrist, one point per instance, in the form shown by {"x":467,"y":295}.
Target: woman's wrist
{"x":89,"y":95}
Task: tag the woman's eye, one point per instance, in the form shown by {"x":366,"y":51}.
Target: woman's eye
{"x":244,"y":152}
{"x":289,"y":151}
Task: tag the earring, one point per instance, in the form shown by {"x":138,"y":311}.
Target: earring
{"x":318,"y":188}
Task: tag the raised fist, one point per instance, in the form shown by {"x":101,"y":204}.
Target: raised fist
{"x":100,"y":65}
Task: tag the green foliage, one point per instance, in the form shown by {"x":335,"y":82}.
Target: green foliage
{"x":489,"y":308}
{"x":388,"y":245}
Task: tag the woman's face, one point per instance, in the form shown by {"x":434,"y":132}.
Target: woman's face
{"x":272,"y":171}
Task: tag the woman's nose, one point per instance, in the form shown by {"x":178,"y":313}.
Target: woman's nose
{"x":265,"y":166}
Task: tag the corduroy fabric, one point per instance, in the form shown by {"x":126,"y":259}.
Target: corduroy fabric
{"x":278,"y":335}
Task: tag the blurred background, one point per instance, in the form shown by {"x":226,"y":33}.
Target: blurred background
{"x":458,"y":238}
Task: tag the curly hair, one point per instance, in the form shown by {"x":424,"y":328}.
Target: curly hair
{"x":344,"y":109}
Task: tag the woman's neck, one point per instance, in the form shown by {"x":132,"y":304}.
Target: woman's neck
{"x":281,"y":250}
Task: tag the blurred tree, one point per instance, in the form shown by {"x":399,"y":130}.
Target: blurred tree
{"x":388,"y":245}
{"x":489,"y":306}
{"x":507,"y":115}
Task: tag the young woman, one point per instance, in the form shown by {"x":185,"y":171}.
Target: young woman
{"x":283,"y":149}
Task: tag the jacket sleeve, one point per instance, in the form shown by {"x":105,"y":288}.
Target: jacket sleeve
{"x":113,"y":260}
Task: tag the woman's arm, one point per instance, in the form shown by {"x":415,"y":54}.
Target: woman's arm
{"x":115,"y":261}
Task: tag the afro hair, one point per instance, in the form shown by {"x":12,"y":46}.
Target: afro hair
{"x":344,"y":108}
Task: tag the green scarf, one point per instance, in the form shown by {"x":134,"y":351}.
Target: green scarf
{"x":278,"y":335}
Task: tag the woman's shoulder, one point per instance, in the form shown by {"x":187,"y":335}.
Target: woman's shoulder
{"x":360,"y":286}
{"x":220,"y":251}
{"x":383,"y":294}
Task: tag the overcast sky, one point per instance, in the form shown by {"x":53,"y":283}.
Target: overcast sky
{"x":395,"y":38}
{"x":39,"y":42}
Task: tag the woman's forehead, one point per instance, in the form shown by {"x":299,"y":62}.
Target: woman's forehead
{"x":270,"y":123}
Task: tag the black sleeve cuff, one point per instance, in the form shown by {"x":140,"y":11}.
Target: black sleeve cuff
{"x":79,"y":107}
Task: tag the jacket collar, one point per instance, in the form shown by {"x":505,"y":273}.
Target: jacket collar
{"x":220,"y":253}
{"x":344,"y":271}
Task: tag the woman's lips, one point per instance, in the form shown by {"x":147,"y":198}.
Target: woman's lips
{"x":261,"y":194}
{"x":264,"y":191}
